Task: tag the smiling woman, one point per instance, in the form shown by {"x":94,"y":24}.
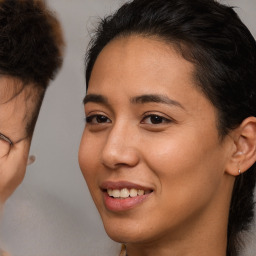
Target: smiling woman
{"x":168,"y":149}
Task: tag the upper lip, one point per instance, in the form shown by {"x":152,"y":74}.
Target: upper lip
{"x":123,"y":184}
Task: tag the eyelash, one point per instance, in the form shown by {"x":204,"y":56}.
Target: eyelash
{"x":158,"y":119}
{"x":91,"y":118}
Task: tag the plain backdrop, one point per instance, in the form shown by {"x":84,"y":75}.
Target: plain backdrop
{"x":51,"y":213}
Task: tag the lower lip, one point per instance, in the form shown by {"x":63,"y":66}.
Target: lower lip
{"x":119,"y":205}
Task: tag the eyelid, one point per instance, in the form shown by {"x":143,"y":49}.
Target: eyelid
{"x":160,"y":121}
{"x":95,"y":112}
{"x":159,"y":114}
{"x":89,"y":119}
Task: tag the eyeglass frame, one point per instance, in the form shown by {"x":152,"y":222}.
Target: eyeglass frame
{"x":5,"y":138}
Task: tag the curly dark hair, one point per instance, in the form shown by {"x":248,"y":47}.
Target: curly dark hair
{"x":214,"y":39}
{"x":31,"y":46}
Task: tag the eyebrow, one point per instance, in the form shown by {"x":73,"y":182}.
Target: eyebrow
{"x":142,"y":99}
{"x":155,"y":98}
{"x":96,"y":98}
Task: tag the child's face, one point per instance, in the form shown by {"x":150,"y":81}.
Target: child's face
{"x":17,"y":106}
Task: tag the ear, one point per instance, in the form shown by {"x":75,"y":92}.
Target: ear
{"x":244,"y":151}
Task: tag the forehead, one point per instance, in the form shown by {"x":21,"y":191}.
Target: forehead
{"x":135,"y":61}
{"x":16,"y":107}
{"x":9,"y":88}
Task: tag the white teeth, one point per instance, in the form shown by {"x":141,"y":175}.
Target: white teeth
{"x":125,"y":193}
{"x":140,"y":192}
{"x":116,"y":193}
{"x":133,"y":192}
{"x":110,"y":192}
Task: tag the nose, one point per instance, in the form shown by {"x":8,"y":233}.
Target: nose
{"x":120,"y":149}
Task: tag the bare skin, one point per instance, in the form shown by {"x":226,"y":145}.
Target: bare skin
{"x":149,"y":125}
{"x":16,"y":107}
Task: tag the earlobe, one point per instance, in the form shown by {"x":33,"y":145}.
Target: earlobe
{"x":244,"y":155}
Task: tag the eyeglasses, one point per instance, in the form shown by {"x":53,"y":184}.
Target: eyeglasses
{"x":5,"y":145}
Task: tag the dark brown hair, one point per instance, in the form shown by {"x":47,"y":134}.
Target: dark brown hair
{"x":31,"y":45}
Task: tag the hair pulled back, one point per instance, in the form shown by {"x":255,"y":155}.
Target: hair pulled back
{"x":213,"y":38}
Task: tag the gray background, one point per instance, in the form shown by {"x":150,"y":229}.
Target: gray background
{"x":51,"y":213}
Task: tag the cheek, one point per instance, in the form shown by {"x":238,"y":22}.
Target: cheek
{"x":12,"y":172}
{"x":84,"y":155}
{"x":187,"y":174}
{"x":88,"y":158}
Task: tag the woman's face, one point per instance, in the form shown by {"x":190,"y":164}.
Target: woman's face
{"x":150,"y":151}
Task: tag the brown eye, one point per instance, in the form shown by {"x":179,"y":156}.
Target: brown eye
{"x":97,"y":119}
{"x":155,"y":119}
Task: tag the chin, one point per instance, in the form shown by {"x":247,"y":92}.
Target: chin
{"x":125,"y":231}
{"x":121,"y":237}
{"x":118,"y":232}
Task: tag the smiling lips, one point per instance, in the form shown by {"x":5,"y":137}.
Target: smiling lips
{"x":122,"y":196}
